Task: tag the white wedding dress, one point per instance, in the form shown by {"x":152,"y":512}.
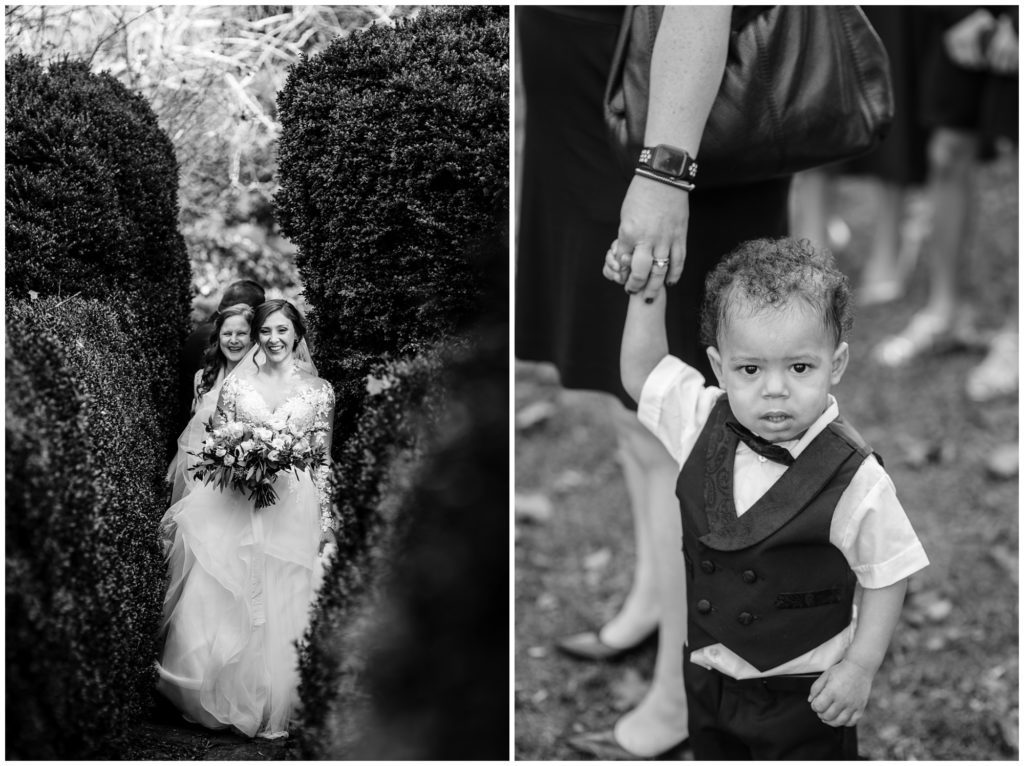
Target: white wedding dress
{"x":242,"y":582}
{"x":191,"y":440}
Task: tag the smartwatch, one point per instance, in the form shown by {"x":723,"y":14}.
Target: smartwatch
{"x":667,"y":164}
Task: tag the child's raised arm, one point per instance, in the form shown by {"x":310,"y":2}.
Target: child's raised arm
{"x":841,"y":693}
{"x":644,"y":341}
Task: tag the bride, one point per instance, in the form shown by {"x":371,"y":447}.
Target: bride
{"x":241,"y":579}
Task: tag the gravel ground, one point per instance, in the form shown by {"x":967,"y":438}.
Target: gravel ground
{"x":949,"y":688}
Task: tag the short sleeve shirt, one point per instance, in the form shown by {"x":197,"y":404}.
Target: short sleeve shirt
{"x":869,"y":525}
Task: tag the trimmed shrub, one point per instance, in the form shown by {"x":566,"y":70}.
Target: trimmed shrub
{"x":393,"y":166}
{"x":91,"y":207}
{"x":437,"y":660}
{"x":369,"y":474}
{"x":421,"y":498}
{"x":85,"y":574}
{"x":393,"y":157}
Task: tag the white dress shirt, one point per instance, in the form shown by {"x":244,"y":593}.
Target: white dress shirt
{"x":869,"y":526}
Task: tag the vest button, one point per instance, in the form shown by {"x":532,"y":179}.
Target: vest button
{"x":749,"y":576}
{"x":745,"y":618}
{"x":707,"y":566}
{"x":704,"y":606}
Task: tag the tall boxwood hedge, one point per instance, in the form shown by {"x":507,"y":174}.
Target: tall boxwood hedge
{"x":393,"y":157}
{"x":372,"y":464}
{"x":437,"y":660}
{"x":92,"y":208}
{"x":393,"y":163}
{"x":84,"y":581}
{"x":408,"y":636}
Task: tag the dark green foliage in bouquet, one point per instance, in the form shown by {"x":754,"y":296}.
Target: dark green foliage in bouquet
{"x":84,"y":583}
{"x":393,"y":157}
{"x":91,"y":207}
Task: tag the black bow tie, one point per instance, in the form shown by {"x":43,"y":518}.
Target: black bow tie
{"x":761,"y":446}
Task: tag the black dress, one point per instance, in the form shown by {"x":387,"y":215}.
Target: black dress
{"x":901,"y":158}
{"x":980,"y":102}
{"x":566,"y":311}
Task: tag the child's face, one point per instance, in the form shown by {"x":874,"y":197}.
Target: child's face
{"x":777,"y":364}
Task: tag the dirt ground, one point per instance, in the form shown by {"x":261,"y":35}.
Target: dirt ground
{"x":949,"y":687}
{"x":166,"y":736}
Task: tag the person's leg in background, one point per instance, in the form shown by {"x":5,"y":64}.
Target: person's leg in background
{"x":812,"y":212}
{"x":951,"y":154}
{"x":641,"y":611}
{"x":659,"y":723}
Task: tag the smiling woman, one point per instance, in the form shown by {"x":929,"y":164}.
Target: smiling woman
{"x":243,"y":570}
{"x":229,"y":342}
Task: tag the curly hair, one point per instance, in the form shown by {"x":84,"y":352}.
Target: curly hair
{"x":772,"y":272}
{"x":213,"y":358}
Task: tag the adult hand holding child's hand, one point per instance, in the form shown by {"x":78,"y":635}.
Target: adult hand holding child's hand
{"x":653,"y":223}
{"x":840,"y":694}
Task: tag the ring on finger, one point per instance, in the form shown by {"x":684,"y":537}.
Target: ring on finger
{"x":661,"y":263}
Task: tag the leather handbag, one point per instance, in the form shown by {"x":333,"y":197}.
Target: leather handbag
{"x":803,"y":86}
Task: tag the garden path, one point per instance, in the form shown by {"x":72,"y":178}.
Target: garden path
{"x":166,"y":736}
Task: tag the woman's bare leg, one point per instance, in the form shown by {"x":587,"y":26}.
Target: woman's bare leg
{"x":660,"y":720}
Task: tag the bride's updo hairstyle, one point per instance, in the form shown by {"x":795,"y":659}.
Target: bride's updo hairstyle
{"x":213,"y":358}
{"x":278,"y":304}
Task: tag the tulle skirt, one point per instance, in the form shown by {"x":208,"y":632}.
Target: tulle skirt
{"x":190,"y":442}
{"x":241,"y":586}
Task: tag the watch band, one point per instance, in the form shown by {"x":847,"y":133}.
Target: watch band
{"x":668,"y":163}
{"x":678,"y":183}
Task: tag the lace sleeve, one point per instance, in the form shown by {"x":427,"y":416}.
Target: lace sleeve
{"x":196,"y":380}
{"x":323,"y":424}
{"x":225,"y":412}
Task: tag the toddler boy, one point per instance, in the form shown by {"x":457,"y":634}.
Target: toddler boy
{"x":797,"y":550}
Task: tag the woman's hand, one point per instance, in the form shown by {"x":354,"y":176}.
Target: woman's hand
{"x":687,"y":63}
{"x":1003,"y":48}
{"x":964,"y":40}
{"x":327,"y":538}
{"x":652,"y":226}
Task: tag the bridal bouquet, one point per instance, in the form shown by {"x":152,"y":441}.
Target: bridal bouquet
{"x":249,"y":458}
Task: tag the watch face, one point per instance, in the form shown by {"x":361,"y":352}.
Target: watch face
{"x":665,"y":160}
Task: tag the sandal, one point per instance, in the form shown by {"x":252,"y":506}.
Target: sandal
{"x":998,"y":373}
{"x":878,"y":292}
{"x":924,"y":334}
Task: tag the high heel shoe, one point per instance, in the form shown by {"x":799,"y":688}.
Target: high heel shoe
{"x":589,"y":646}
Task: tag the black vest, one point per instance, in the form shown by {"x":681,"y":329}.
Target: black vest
{"x":768,"y":585}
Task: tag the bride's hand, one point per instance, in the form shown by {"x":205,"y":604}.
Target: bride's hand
{"x":327,"y":538}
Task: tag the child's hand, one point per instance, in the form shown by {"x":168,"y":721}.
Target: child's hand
{"x":616,"y":265}
{"x":1002,"y":50}
{"x":840,"y":694}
